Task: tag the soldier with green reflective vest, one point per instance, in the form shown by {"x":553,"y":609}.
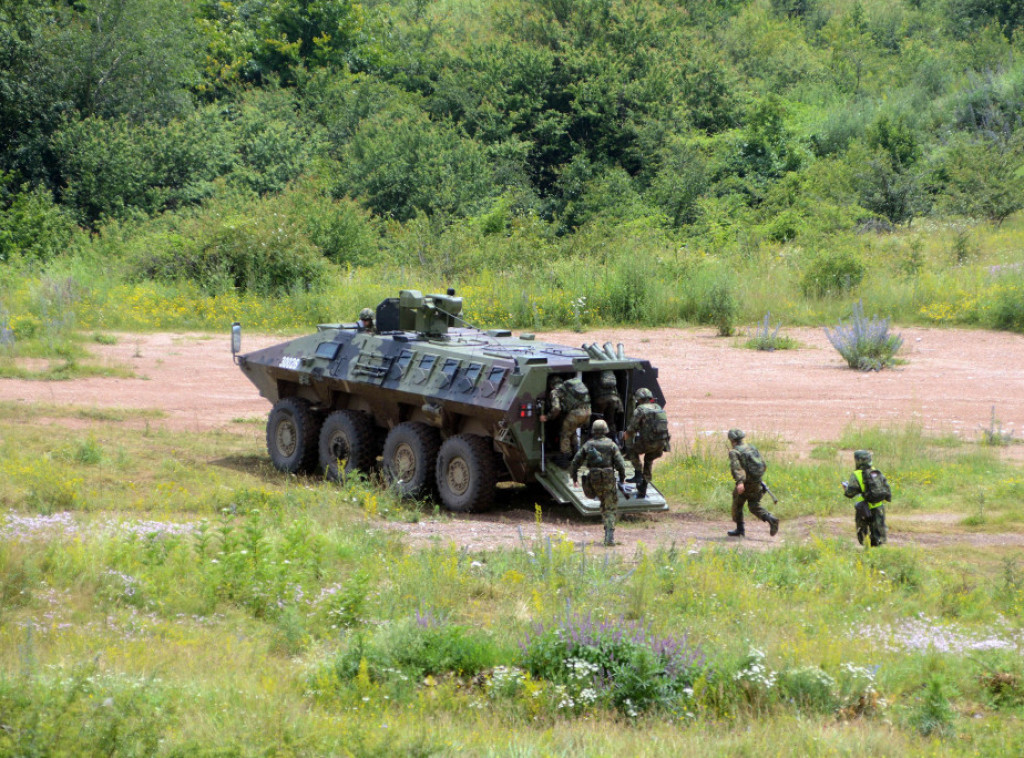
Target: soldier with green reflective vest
{"x":646,"y":434}
{"x":607,"y":401}
{"x":747,"y":468}
{"x":603,"y":459}
{"x":871,"y":486}
{"x":569,"y":399}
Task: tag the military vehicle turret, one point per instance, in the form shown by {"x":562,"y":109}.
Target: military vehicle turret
{"x":447,"y":408}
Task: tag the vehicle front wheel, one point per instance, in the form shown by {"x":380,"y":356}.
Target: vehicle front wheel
{"x":410,"y":454}
{"x":347,"y":436}
{"x":292,"y":430}
{"x":466,"y":474}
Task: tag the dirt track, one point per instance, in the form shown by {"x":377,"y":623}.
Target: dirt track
{"x":949,"y":384}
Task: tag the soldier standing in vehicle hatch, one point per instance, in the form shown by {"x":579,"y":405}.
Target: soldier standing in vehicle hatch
{"x":366,"y":320}
{"x":569,"y":399}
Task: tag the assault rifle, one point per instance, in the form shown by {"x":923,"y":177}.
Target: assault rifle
{"x":766,"y":488}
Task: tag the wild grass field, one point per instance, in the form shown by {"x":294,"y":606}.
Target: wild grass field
{"x":168,"y":593}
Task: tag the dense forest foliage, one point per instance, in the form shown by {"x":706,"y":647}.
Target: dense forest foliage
{"x":262,"y":144}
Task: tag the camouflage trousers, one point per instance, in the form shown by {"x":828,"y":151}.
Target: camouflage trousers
{"x":601,"y":482}
{"x":572,"y":421}
{"x":651,"y":453}
{"x":873,"y":526}
{"x":751,"y":497}
{"x":609,"y":408}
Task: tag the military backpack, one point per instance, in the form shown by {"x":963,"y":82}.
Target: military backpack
{"x":875,"y":486}
{"x":595,"y":458}
{"x":751,"y":460}
{"x":654,"y":426}
{"x":574,"y":394}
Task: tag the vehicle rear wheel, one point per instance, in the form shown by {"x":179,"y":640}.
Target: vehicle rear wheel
{"x":292,"y":430}
{"x":466,"y":474}
{"x":347,"y":436}
{"x":410,"y":454}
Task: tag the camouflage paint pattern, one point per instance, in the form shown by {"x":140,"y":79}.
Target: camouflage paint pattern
{"x":425,"y":364}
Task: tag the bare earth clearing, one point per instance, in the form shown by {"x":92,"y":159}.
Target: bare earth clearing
{"x":801,"y":398}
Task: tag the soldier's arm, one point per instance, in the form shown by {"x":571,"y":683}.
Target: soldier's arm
{"x":852,"y":488}
{"x":736,"y":468}
{"x":577,"y":461}
{"x":620,"y":463}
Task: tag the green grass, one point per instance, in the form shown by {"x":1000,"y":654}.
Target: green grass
{"x":172,"y":594}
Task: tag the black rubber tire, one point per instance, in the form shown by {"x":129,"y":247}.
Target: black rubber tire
{"x":348,"y":436}
{"x":410,"y":456}
{"x":466,"y":474}
{"x":292,"y":432}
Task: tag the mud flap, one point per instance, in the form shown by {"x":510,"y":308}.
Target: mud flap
{"x":556,"y":481}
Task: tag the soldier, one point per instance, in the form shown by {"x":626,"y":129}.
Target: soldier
{"x":570,"y":400}
{"x":366,"y":320}
{"x":869,"y":511}
{"x":601,"y":455}
{"x":646,"y":434}
{"x":606,"y":399}
{"x":747,"y":467}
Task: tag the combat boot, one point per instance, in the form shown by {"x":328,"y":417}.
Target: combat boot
{"x":609,"y":536}
{"x":636,"y":478}
{"x":738,"y":531}
{"x":773,"y":525}
{"x":641,"y":489}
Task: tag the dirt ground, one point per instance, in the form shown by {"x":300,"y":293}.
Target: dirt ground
{"x":951,"y":381}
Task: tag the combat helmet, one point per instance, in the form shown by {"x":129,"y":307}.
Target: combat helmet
{"x":862,"y":458}
{"x":735,"y":435}
{"x":600,"y":427}
{"x":366,"y":315}
{"x":642,"y":395}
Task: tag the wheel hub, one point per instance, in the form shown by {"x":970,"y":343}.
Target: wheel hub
{"x":403,"y":462}
{"x":287,"y":437}
{"x":458,"y":476}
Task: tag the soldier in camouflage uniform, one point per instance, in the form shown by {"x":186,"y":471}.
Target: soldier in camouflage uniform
{"x":570,"y":400}
{"x":646,"y":434}
{"x":869,"y":517}
{"x":747,"y":467}
{"x":603,"y":460}
{"x":366,"y":320}
{"x":606,"y":399}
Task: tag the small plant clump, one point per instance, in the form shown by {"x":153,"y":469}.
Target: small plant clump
{"x":865,"y":344}
{"x":994,"y":434}
{"x":766,"y":338}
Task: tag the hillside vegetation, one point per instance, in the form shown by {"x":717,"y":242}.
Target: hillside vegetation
{"x":169,"y":164}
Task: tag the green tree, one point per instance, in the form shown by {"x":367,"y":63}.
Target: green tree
{"x":400,"y":162}
{"x":982,"y":178}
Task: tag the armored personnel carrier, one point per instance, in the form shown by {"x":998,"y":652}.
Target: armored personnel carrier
{"x":448,"y":409}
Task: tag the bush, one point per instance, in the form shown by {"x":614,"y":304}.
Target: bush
{"x":766,"y":338}
{"x":252,"y":248}
{"x":832,"y":272}
{"x":618,"y":663}
{"x":865,"y":344}
{"x":417,"y":647}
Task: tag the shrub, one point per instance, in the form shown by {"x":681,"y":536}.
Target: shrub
{"x":865,"y":344}
{"x":252,"y":249}
{"x":623,"y":664}
{"x":766,"y":338}
{"x":832,"y":272}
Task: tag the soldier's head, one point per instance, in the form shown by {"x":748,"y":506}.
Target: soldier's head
{"x":862,"y":458}
{"x":643,"y":395}
{"x":600,"y":428}
{"x":366,"y":318}
{"x":736,"y":436}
